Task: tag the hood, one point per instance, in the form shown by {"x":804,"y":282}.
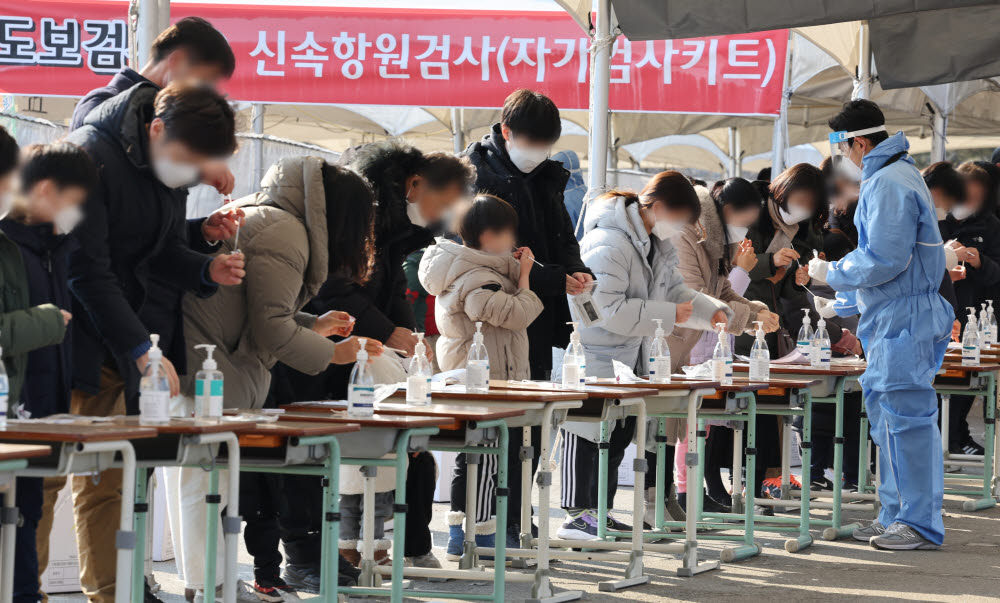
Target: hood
{"x":38,"y":238}
{"x":882,"y":152}
{"x":711,"y":234}
{"x":447,"y":261}
{"x":571,"y":161}
{"x":124,"y":118}
{"x":295,"y":185}
{"x":615,"y":214}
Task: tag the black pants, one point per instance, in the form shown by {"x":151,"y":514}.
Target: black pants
{"x":768,"y":448}
{"x":824,"y":429}
{"x":718,"y":454}
{"x":420,"y":485}
{"x":958,"y":421}
{"x":486,"y":481}
{"x":579,"y":477}
{"x":260,"y":505}
{"x":29,"y":504}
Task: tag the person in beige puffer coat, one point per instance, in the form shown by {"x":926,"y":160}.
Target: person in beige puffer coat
{"x":481,"y":281}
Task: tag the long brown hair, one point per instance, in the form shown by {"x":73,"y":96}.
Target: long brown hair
{"x":672,"y":188}
{"x":802,"y":177}
{"x":350,"y":220}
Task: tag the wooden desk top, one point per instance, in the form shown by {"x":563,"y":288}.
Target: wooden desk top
{"x":378,"y":420}
{"x":804,"y":369}
{"x":504,"y":394}
{"x":301,"y":429}
{"x":192,"y":426}
{"x":589,"y":390}
{"x":15,"y":452}
{"x":957,"y":367}
{"x":40,"y":430}
{"x":456,"y":412}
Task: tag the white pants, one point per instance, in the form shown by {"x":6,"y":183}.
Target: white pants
{"x":186,"y":491}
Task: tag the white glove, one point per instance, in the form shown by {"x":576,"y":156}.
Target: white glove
{"x":824,"y":307}
{"x":950,"y":258}
{"x":818,"y":269}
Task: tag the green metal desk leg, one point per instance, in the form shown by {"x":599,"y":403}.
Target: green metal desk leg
{"x":804,"y":539}
{"x":699,"y":481}
{"x":602,"y":482}
{"x":989,"y":408}
{"x":661,"y":473}
{"x":749,"y":547}
{"x":836,"y":530}
{"x":329,"y":568}
{"x":139,"y":526}
{"x":500,"y":564}
{"x":211,"y":531}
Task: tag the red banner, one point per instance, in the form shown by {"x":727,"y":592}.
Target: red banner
{"x":420,"y":57}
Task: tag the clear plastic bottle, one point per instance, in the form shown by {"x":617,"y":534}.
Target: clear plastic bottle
{"x":820,"y":353}
{"x":993,"y":322}
{"x":208,"y":386}
{"x":722,"y":358}
{"x":477,"y":365}
{"x":361,"y":391}
{"x":4,"y":392}
{"x":970,"y":340}
{"x":985,"y":335}
{"x":154,"y":388}
{"x":574,"y":368}
{"x":760,"y":356}
{"x":659,"y":355}
{"x":804,"y":342}
{"x":418,"y":383}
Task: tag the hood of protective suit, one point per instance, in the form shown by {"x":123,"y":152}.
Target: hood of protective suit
{"x":883,"y":151}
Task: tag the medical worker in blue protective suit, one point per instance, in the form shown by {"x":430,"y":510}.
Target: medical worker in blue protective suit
{"x":892,"y":280}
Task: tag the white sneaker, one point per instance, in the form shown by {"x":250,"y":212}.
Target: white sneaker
{"x":901,"y":537}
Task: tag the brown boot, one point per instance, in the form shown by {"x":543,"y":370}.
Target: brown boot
{"x":352,"y":556}
{"x":382,"y":558}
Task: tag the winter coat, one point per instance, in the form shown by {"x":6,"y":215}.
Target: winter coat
{"x":700,"y":253}
{"x":630,"y":292}
{"x":379,"y":305}
{"x":48,"y":380}
{"x":472,"y":286}
{"x":545,"y":227}
{"x":260,"y":321}
{"x":134,"y":230}
{"x":576,"y":188}
{"x":775,"y":286}
{"x":23,"y":327}
{"x":980,"y":231}
{"x":422,"y":302}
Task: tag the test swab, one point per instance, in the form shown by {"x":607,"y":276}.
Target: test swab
{"x":535,"y":261}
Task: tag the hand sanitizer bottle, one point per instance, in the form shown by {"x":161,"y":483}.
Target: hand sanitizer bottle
{"x":659,"y":355}
{"x":993,"y":322}
{"x":722,"y":358}
{"x":804,"y":342}
{"x":574,"y":369}
{"x":970,"y":340}
{"x":477,"y":366}
{"x":760,"y":356}
{"x":154,"y":388}
{"x":985,"y":336}
{"x":208,"y":386}
{"x":820,"y":354}
{"x":4,"y":392}
{"x":418,"y":383}
{"x":361,"y":391}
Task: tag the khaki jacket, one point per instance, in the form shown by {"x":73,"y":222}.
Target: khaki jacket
{"x":699,"y":252}
{"x":473,"y":286}
{"x":260,"y":322}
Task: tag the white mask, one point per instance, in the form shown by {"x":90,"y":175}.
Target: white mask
{"x":67,"y":218}
{"x":413,"y":213}
{"x":665,"y":229}
{"x":526,"y":159}
{"x":941,"y":213}
{"x":794,"y":215}
{"x":850,"y":170}
{"x":6,"y":202}
{"x":174,"y":174}
{"x":736,"y":233}
{"x":961,"y":212}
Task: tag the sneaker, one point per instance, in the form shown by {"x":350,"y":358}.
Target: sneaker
{"x":149,"y":594}
{"x":582,"y":526}
{"x":304,"y":578}
{"x":771,"y":487}
{"x":514,"y":536}
{"x":427,"y":560}
{"x":970,"y":446}
{"x":763,"y":510}
{"x":613,"y":524}
{"x":274,"y":591}
{"x":347,"y":574}
{"x":820,"y":483}
{"x":901,"y":537}
{"x":868,"y":532}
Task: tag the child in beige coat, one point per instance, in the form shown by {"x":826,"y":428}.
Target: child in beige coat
{"x":484,"y":280}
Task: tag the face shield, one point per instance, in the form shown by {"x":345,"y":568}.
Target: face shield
{"x":840,"y":152}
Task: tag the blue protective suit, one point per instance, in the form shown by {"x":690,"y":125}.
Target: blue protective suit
{"x":892,"y":280}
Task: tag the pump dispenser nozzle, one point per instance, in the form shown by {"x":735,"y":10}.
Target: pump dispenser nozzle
{"x":575,"y":335}
{"x":210,"y":363}
{"x":478,"y":336}
{"x":659,"y":327}
{"x":805,"y":319}
{"x":760,"y":328}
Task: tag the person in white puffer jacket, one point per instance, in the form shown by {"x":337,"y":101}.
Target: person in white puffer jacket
{"x":627,"y":245}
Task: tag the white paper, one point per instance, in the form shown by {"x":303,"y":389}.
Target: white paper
{"x":624,"y":374}
{"x":384,"y":391}
{"x":699,"y":371}
{"x":795,"y":357}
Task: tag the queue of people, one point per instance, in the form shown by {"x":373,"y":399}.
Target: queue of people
{"x":97,"y":255}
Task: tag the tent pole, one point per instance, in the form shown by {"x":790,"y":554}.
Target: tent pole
{"x":147,"y":28}
{"x":738,"y":157}
{"x":600,"y":81}
{"x":733,"y":152}
{"x":938,"y":136}
{"x":779,"y":140}
{"x":864,"y":86}
{"x":612,"y":154}
{"x":458,"y":128}
{"x":257,"y":122}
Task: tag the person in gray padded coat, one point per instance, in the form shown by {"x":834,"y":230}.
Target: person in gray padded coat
{"x":627,"y":244}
